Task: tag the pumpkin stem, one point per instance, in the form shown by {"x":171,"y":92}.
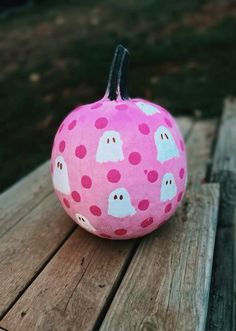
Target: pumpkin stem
{"x":117,"y":82}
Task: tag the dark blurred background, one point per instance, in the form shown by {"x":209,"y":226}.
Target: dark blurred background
{"x":56,"y":54}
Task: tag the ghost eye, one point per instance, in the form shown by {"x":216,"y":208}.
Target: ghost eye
{"x":115,"y":197}
{"x":58,"y":164}
{"x":83,"y":219}
{"x":170,"y":181}
{"x":121,"y":197}
{"x":167,"y":182}
{"x":113,"y":140}
{"x":166,"y":136}
{"x":79,"y":218}
{"x":162,"y":136}
{"x":108,"y":140}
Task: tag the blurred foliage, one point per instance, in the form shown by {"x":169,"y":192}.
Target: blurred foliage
{"x":57,"y":54}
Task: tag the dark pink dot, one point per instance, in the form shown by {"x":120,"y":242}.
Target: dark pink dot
{"x":152,"y":176}
{"x":134,"y":158}
{"x":180,"y":196}
{"x":104,"y":235}
{"x":144,"y":128}
{"x":182,"y":145}
{"x":113,"y":176}
{"x":66,"y":203}
{"x":72,"y":125}
{"x":101,"y":123}
{"x":168,"y":122}
{"x":62,"y":146}
{"x":122,"y":106}
{"x":168,"y":208}
{"x":61,"y":127}
{"x":181,"y":173}
{"x":145,"y":171}
{"x":95,"y":210}
{"x":143,"y":204}
{"x":80,"y":151}
{"x":76,"y":196}
{"x":86,"y":181}
{"x":96,"y":105}
{"x":148,"y":221}
{"x":120,"y":232}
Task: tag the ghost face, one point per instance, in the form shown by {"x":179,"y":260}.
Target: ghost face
{"x":119,"y":203}
{"x":165,"y":144}
{"x":147,"y":108}
{"x":110,"y":147}
{"x":84,"y":223}
{"x":60,"y":176}
{"x":168,"y":187}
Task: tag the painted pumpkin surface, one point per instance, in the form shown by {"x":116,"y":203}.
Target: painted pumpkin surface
{"x":119,"y":164}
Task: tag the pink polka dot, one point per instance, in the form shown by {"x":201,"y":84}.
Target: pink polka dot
{"x":72,"y":125}
{"x":168,"y":122}
{"x":66,"y":203}
{"x":95,"y":210}
{"x":168,"y":208}
{"x":86,"y":181}
{"x":96,"y":105}
{"x":148,"y":221}
{"x":120,"y":232}
{"x":181,"y":173}
{"x":80,"y":151}
{"x":122,"y":106}
{"x":134,"y":158}
{"x":180,"y":196}
{"x":145,"y":171}
{"x":61,"y":127}
{"x":62,"y":146}
{"x":101,"y":123}
{"x":152,"y":176}
{"x":104,"y":235}
{"x":113,"y":176}
{"x":182,"y":145}
{"x":143,"y":204}
{"x":144,"y":128}
{"x":76,"y":196}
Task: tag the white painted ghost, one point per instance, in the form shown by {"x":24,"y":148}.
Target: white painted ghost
{"x":84,"y":223}
{"x":110,"y":147}
{"x":147,"y":108}
{"x":168,"y":187}
{"x":60,"y":176}
{"x":119,"y":203}
{"x":165,"y":144}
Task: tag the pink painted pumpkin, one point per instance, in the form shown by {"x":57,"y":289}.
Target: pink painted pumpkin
{"x":119,"y":164}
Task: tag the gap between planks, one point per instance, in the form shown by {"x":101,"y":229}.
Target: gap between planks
{"x":107,"y":287}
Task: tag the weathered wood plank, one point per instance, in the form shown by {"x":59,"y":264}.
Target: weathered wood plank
{"x":167,"y":284}
{"x":221,"y":314}
{"x":27,"y":247}
{"x":70,"y":292}
{"x":199,"y":148}
{"x":24,"y":196}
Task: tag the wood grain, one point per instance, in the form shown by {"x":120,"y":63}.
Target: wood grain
{"x":27,"y":247}
{"x":167,"y":284}
{"x":24,"y":196}
{"x":70,"y":292}
{"x":221,"y":313}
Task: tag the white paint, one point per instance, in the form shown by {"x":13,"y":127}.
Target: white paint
{"x":110,"y":147}
{"x":147,"y":108}
{"x":119,"y":203}
{"x":168,"y":187}
{"x":60,"y":176}
{"x":84,"y":223}
{"x":165,"y":144}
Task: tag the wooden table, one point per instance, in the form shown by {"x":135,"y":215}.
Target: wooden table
{"x":56,"y":276}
